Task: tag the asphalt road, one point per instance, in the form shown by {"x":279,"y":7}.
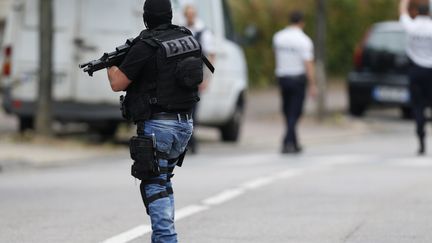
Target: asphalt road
{"x":370,"y":187}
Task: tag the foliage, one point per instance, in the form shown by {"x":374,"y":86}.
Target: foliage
{"x":347,"y":21}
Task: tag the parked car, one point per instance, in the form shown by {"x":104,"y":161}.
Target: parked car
{"x":84,"y":30}
{"x":380,"y":75}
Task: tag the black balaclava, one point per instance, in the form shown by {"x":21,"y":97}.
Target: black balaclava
{"x":157,"y":12}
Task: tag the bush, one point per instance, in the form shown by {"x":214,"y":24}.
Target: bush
{"x":347,"y":21}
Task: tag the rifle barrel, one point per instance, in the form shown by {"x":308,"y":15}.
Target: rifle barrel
{"x":83,"y":65}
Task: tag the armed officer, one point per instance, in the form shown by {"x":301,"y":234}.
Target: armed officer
{"x":419,"y":50}
{"x":160,"y":74}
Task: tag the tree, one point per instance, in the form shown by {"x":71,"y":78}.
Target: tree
{"x":44,"y":102}
{"x":346,"y":23}
{"x":320,"y":56}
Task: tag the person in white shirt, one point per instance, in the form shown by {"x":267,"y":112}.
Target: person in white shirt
{"x":200,"y":31}
{"x":294,"y":54}
{"x":419,"y":50}
{"x":205,"y":37}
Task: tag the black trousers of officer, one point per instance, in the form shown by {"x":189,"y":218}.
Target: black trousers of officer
{"x":293,"y":89}
{"x":421,"y":95}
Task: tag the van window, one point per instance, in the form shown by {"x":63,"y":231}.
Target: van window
{"x":63,"y":16}
{"x":2,"y":24}
{"x":108,"y":16}
{"x":229,"y":26}
{"x":205,"y":13}
{"x":392,"y":41}
{"x":96,"y":15}
{"x":31,"y":14}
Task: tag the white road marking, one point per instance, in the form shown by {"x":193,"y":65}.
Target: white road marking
{"x":289,"y":173}
{"x":223,"y":197}
{"x":207,"y":203}
{"x":189,"y":211}
{"x":260,"y":182}
{"x":414,"y":162}
{"x":344,"y":159}
{"x":230,"y":194}
{"x":130,"y":234}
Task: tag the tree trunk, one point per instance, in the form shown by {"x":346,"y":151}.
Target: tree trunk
{"x":44,"y":102}
{"x":320,"y":58}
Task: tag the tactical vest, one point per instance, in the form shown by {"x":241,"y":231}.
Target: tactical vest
{"x":179,"y":67}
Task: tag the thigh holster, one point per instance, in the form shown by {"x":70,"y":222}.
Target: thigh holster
{"x":143,"y":153}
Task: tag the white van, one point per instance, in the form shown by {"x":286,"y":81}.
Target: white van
{"x":84,"y":29}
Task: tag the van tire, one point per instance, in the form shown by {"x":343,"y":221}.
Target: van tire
{"x":106,"y":131}
{"x":230,"y":132}
{"x":25,"y":123}
{"x":357,"y":110}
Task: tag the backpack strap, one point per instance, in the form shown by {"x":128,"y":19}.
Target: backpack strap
{"x":198,"y":37}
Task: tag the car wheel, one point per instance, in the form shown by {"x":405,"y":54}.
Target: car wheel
{"x":230,"y":132}
{"x":357,"y":110}
{"x":26,"y":123}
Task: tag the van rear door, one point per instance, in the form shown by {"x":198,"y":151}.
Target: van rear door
{"x":102,"y":25}
{"x":25,"y":49}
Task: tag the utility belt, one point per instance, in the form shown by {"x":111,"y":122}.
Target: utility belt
{"x":142,"y":111}
{"x":171,"y":116}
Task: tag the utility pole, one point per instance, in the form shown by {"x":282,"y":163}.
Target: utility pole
{"x":44,"y":101}
{"x":321,"y":26}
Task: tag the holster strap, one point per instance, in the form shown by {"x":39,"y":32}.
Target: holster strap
{"x":157,"y":196}
{"x":166,"y":170}
{"x":170,"y":191}
{"x":140,"y":127}
{"x":181,"y":158}
{"x":155,"y":181}
{"x":178,"y":161}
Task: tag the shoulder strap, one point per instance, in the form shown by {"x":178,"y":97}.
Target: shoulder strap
{"x":147,"y":37}
{"x":208,"y":63}
{"x":185,"y":30}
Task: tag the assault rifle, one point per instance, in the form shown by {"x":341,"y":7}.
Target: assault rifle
{"x":114,"y":58}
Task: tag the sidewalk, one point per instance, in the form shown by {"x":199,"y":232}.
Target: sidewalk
{"x":17,"y":153}
{"x":263,"y":129}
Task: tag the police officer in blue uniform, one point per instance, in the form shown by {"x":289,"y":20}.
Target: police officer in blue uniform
{"x":160,"y":74}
